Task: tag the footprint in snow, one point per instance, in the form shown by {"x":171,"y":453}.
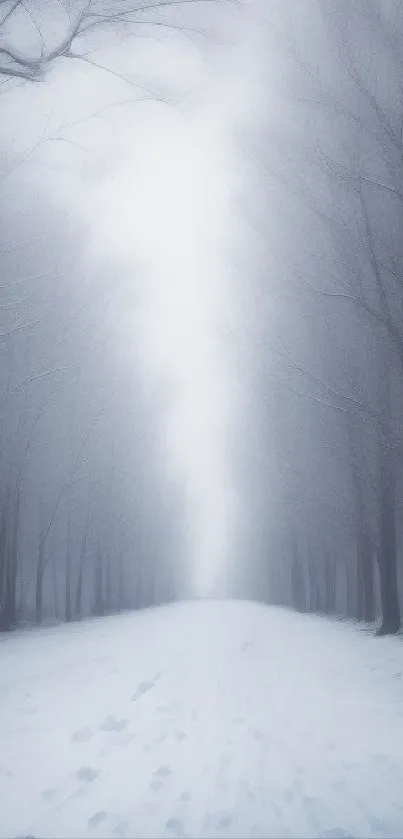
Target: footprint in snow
{"x":96,"y":819}
{"x":225,"y":821}
{"x":155,"y":786}
{"x":82,"y":735}
{"x":144,"y":687}
{"x":80,"y":792}
{"x":220,"y":821}
{"x":126,"y":740}
{"x":121,"y":829}
{"x":49,"y":794}
{"x":112,"y":723}
{"x":174,"y":825}
{"x":380,"y":758}
{"x":179,"y":735}
{"x":348,"y":765}
{"x":163,"y":771}
{"x":339,"y":786}
{"x":87,"y":773}
{"x":159,"y":775}
{"x":379,"y":825}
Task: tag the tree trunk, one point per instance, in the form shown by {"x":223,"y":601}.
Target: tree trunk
{"x":368,"y":582}
{"x":55,"y":589}
{"x":313,"y":588}
{"x":13,"y":561}
{"x":8,"y":564}
{"x":79,"y":592}
{"x":330,"y":584}
{"x":8,"y":608}
{"x":39,"y":587}
{"x":120,"y":585}
{"x":297,"y":580}
{"x":108,"y":586}
{"x":360,"y":575}
{"x":99,"y":607}
{"x":351,"y":593}
{"x":67,"y":596}
{"x":83,"y":550}
{"x":387,"y":558}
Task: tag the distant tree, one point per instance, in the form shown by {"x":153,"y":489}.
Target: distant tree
{"x":333,"y":155}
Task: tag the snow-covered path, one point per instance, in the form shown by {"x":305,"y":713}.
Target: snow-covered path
{"x":205,"y":719}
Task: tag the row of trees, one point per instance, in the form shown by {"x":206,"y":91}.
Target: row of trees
{"x":326,"y":322}
{"x":88,"y":522}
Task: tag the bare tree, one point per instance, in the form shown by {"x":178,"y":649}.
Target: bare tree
{"x":333,"y":157}
{"x":29,"y":45}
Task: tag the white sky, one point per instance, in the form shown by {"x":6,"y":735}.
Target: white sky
{"x":157,"y":184}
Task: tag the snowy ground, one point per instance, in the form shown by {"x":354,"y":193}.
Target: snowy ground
{"x":201,"y":719}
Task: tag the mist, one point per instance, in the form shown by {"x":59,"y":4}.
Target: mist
{"x":144,"y":173}
{"x":201,"y":397}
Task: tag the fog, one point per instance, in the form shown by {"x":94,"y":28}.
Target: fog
{"x":118,"y":184}
{"x":201,"y":418}
{"x":201,"y":304}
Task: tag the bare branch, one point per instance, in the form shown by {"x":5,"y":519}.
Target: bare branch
{"x":16,"y":64}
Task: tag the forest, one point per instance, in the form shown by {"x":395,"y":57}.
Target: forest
{"x":325,"y":316}
{"x":201,"y":419}
{"x":90,"y":522}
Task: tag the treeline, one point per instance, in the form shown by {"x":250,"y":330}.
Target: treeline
{"x":325,"y":343}
{"x":86,"y":520}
